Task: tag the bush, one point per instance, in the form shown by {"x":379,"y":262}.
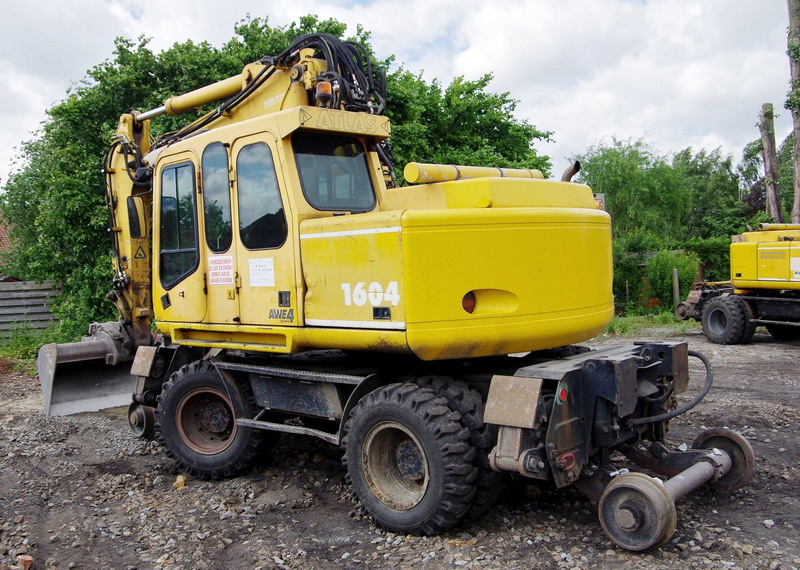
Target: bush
{"x":629,"y":257}
{"x":714,"y":254}
{"x":659,"y":273}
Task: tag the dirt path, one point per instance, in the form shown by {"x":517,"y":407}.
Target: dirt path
{"x":79,"y":492}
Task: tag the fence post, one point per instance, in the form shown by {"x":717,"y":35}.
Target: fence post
{"x":676,"y":289}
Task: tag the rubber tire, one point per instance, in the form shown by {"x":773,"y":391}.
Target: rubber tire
{"x":247,"y":442}
{"x":445,"y":443}
{"x":749,"y":326}
{"x":483,"y":437}
{"x":724,"y":320}
{"x":783,"y":332}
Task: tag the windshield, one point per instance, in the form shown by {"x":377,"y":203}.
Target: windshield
{"x":333,"y":172}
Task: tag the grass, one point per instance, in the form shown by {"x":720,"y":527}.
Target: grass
{"x":18,"y":351}
{"x":636,"y":324}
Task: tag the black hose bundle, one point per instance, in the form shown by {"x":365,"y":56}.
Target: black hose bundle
{"x":357,"y":84}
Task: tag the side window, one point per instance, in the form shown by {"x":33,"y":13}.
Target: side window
{"x":262,"y":223}
{"x":216,"y":198}
{"x":179,"y":255}
{"x":333,"y":171}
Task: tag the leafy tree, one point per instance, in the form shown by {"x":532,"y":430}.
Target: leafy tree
{"x":460,"y":124}
{"x":55,"y":202}
{"x":643,"y":191}
{"x":715,"y":208}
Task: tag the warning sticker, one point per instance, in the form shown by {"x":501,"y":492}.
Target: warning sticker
{"x":220,"y":270}
{"x":795,"y":267}
{"x":140,"y":254}
{"x":262,"y":272}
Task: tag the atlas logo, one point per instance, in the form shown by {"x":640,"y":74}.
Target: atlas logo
{"x":286,"y":315}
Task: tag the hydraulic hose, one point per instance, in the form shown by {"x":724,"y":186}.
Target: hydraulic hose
{"x":689,"y":405}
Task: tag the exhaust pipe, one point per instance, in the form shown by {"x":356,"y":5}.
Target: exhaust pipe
{"x":571,"y":171}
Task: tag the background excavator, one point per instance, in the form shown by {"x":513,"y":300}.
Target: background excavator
{"x":428,"y":329}
{"x":763,"y":290}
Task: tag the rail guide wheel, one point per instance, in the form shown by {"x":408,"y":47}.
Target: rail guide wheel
{"x":142,"y":420}
{"x":743,"y":459}
{"x":637,"y":512}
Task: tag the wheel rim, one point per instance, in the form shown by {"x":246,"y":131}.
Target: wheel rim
{"x":743,"y":459}
{"x":637,"y":513}
{"x":206,"y":421}
{"x":395,"y":466}
{"x":718,"y":322}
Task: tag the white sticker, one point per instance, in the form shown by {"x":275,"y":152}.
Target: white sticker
{"x":220,"y":270}
{"x":795,"y":264}
{"x":262,"y":272}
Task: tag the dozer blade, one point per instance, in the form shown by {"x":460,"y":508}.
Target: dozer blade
{"x":75,"y":378}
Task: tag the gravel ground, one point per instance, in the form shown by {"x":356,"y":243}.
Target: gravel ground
{"x":80,"y":492}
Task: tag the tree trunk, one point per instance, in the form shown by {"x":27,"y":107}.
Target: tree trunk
{"x":792,"y":103}
{"x":767,"y":127}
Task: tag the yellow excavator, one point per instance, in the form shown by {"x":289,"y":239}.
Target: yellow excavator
{"x":763,"y":290}
{"x":272,"y":277}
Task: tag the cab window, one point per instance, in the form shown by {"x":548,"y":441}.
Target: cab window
{"x":179,"y":255}
{"x":262,"y":223}
{"x":333,"y":171}
{"x":216,"y":198}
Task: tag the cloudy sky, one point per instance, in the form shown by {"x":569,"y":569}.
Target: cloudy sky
{"x":677,"y":72}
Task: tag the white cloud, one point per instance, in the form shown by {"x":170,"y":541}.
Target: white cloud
{"x":682,"y":72}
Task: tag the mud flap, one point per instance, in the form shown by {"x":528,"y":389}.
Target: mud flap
{"x":75,"y":378}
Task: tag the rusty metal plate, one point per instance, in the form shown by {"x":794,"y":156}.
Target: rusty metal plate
{"x":680,"y":367}
{"x":512,"y":401}
{"x":143,"y":363}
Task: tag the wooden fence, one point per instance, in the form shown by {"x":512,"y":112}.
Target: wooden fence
{"x":25,"y":304}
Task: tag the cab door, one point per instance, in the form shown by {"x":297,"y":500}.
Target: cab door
{"x":220,"y":254}
{"x":263,"y":244}
{"x":178,"y":284}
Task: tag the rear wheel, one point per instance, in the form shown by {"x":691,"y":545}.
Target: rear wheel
{"x":724,"y":320}
{"x":409,"y":460}
{"x":469,"y":404}
{"x":197,"y":423}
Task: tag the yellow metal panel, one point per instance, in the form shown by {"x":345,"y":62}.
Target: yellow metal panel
{"x":544,"y":272}
{"x":491,"y":192}
{"x":353,"y":266}
{"x":766,"y":260}
{"x":744,"y":261}
{"x":283,"y":339}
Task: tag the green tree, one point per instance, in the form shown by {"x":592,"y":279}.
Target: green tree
{"x":460,"y":124}
{"x":642,"y":189}
{"x":715,"y":208}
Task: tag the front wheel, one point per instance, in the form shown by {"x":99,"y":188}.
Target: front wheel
{"x":197,"y":423}
{"x":725,"y":320}
{"x":409,"y":460}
